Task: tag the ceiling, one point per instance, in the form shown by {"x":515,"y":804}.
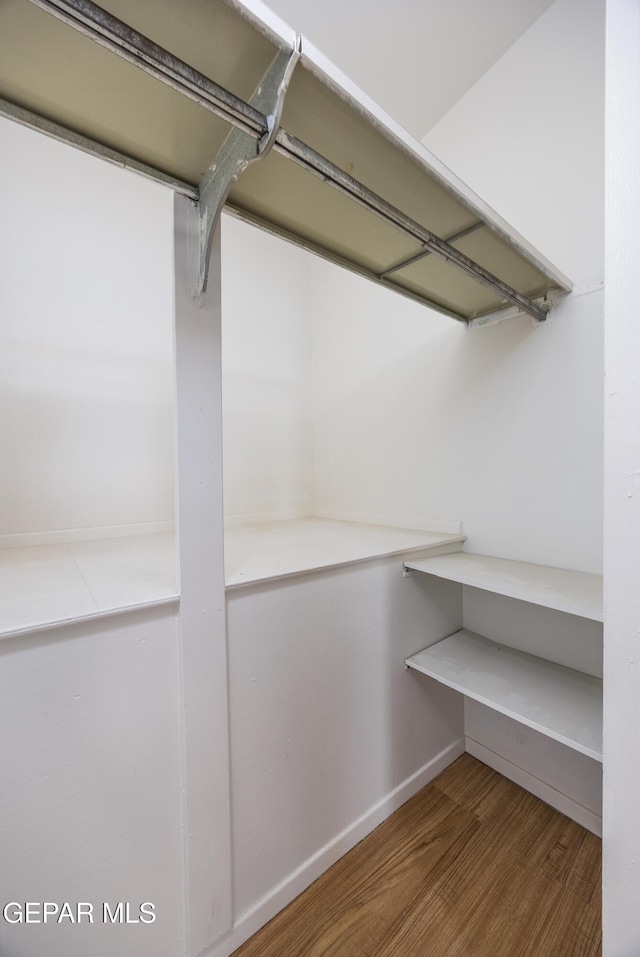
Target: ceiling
{"x":415,"y":58}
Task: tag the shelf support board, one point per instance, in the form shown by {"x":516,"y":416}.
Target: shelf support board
{"x":238,"y":151}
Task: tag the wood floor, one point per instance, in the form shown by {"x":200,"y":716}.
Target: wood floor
{"x":472,"y":866}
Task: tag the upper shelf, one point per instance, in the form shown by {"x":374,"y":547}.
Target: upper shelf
{"x":158,"y":92}
{"x":576,"y":593}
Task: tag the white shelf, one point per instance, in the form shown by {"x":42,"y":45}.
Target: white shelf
{"x":166,"y":111}
{"x":559,"y":702}
{"x":44,"y":586}
{"x":577,"y":593}
{"x":268,"y":550}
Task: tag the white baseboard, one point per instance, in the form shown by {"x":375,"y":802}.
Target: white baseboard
{"x":556,"y":799}
{"x":446,"y":526}
{"x":267,"y":907}
{"x":251,"y":518}
{"x":63,"y":536}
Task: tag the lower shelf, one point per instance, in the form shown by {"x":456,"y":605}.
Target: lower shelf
{"x":564,"y":704}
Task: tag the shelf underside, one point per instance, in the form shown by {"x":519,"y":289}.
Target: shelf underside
{"x":50,"y":70}
{"x":559,"y":702}
{"x":576,"y":593}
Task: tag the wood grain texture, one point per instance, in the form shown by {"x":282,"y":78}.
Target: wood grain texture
{"x":472,"y":866}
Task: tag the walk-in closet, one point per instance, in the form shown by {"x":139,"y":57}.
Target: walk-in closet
{"x":314,"y":456}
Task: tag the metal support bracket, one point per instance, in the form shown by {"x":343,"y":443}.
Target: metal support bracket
{"x":546,"y":303}
{"x":238,"y":151}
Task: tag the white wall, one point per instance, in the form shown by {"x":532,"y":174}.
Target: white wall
{"x":567,"y":780}
{"x":416,"y":62}
{"x":86,"y":364}
{"x":621,"y":865}
{"x":500,"y":427}
{"x":267,"y":288}
{"x":329,"y":732}
{"x":90,"y":804}
{"x":86,"y":354}
{"x":529,"y":136}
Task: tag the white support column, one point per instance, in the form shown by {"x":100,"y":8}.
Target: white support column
{"x":202,"y":603}
{"x":621,"y":831}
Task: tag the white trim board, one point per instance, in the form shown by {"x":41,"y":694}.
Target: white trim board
{"x":64,"y":536}
{"x":540,"y":789}
{"x":202,"y":627}
{"x":26,"y":630}
{"x":251,"y":518}
{"x":416,"y":522}
{"x":248,"y":923}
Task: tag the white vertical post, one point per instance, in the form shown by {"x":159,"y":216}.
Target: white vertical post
{"x":201,"y":572}
{"x":621,"y":832}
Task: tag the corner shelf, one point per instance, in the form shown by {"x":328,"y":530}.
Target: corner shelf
{"x":265,"y":551}
{"x":576,"y":593}
{"x":557,"y":701}
{"x":562,"y":703}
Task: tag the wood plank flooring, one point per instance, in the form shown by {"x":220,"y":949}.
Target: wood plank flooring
{"x":472,"y":866}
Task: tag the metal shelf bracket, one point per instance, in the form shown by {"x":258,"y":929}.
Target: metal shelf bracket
{"x":238,"y":151}
{"x":545,"y":303}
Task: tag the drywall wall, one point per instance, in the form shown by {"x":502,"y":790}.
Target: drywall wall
{"x":329,"y":732}
{"x":90,"y":806}
{"x":621,"y":865}
{"x":419,"y":58}
{"x":267,"y":286}
{"x":529,"y":136}
{"x":561,"y":777}
{"x":86,"y":343}
{"x":567,"y":780}
{"x":86,"y":374}
{"x":501,"y":427}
